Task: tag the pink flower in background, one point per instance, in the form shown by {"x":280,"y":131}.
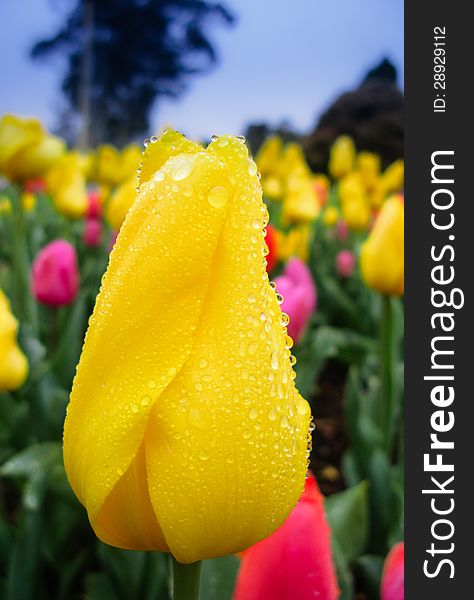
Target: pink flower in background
{"x":55,"y":274}
{"x":92,"y":232}
{"x":345,"y":263}
{"x":342,"y":231}
{"x":298,"y":289}
{"x":295,"y":562}
{"x":393,"y":578}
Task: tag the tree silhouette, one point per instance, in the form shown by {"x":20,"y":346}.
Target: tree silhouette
{"x":123,"y":55}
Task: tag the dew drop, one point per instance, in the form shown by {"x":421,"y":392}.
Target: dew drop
{"x":134,"y":408}
{"x":253,"y":414}
{"x":182,"y":167}
{"x":279,"y":298}
{"x":252,"y":168}
{"x":246,"y":434}
{"x":145,"y":401}
{"x":284,"y":422}
{"x":272,"y":415}
{"x":302,"y":407}
{"x":285,"y":319}
{"x":274,"y":361}
{"x":203,"y":363}
{"x":203,"y":455}
{"x":153,"y":139}
{"x":292,"y":360}
{"x":218,"y":196}
{"x":253,"y":347}
{"x":198,"y":386}
{"x":146,"y":142}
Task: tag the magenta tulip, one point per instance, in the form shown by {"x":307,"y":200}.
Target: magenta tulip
{"x":342,"y":231}
{"x":345,"y":263}
{"x":55,"y":274}
{"x":295,"y":562}
{"x":393,"y":578}
{"x":298,"y":289}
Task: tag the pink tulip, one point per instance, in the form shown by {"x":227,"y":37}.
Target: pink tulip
{"x":342,"y":231}
{"x":295,"y":562}
{"x":92,"y":232}
{"x":345,"y":263}
{"x":297,"y":287}
{"x":55,"y":274}
{"x":393,"y":578}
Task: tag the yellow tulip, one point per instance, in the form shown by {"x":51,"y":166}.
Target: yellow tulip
{"x":184,"y":405}
{"x":300,"y":204}
{"x":269,"y":155}
{"x":356,"y":213}
{"x":5,"y":205}
{"x":272,"y":187}
{"x":342,"y":157}
{"x":368,"y":165}
{"x":382,"y":254}
{"x":28,"y":201}
{"x":294,"y":243}
{"x":393,"y":177}
{"x":120,"y":203}
{"x":331,"y":216}
{"x":66,"y":184}
{"x":108,"y":165}
{"x":293,"y":162}
{"x":13,"y":363}
{"x":27,"y":151}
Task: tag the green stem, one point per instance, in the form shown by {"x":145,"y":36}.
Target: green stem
{"x":186,"y":580}
{"x":386,"y":374}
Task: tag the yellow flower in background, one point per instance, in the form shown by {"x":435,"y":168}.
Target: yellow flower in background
{"x":184,"y":398}
{"x":293,"y":162}
{"x":382,"y":254}
{"x":27,"y":151}
{"x":120,"y":203}
{"x":5,"y":205}
{"x":342,"y":157}
{"x":272,"y":187}
{"x":368,"y":165}
{"x":392,"y":177}
{"x":355,"y":203}
{"x":331,"y":216}
{"x":113,"y":167}
{"x":294,"y":243}
{"x":66,"y":184}
{"x":356,"y":213}
{"x":28,"y":200}
{"x":300,"y":203}
{"x":269,"y":155}
{"x":13,"y":363}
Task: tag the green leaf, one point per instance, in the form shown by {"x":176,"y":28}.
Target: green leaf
{"x":218,"y":578}
{"x":34,"y":459}
{"x":347,"y":513}
{"x":369,"y":571}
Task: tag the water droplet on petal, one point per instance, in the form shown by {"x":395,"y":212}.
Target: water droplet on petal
{"x":253,"y":414}
{"x":182,"y":167}
{"x":218,"y":196}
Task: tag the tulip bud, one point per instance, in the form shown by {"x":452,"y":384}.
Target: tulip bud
{"x":342,"y":230}
{"x":184,"y":395}
{"x":13,"y":363}
{"x":92,"y":232}
{"x":297,"y":287}
{"x":393,"y":579}
{"x":345,"y":263}
{"x":295,"y":562}
{"x":382,"y":254}
{"x":55,"y":274}
{"x":342,"y":157}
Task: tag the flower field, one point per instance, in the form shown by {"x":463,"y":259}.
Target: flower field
{"x":238,"y":397}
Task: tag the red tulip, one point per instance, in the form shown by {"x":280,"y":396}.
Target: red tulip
{"x":92,"y":232}
{"x":271,"y":239}
{"x":34,"y":186}
{"x":393,"y":577}
{"x":94,"y":207}
{"x":295,"y":562}
{"x":345,"y":263}
{"x":297,"y":287}
{"x":55,"y":274}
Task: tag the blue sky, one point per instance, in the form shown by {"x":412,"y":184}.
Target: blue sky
{"x":284,"y":60}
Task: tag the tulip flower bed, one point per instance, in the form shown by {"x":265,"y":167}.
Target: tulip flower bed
{"x":217,"y":311}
